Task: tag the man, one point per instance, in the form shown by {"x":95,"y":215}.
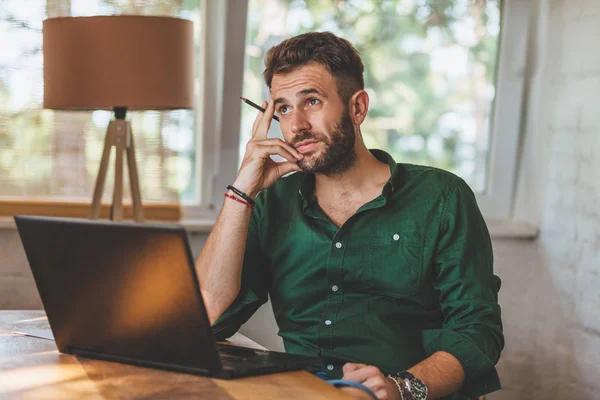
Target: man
{"x":377,"y":267}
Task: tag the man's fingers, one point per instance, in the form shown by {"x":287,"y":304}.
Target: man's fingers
{"x":277,"y":150}
{"x":276,"y":146}
{"x":382,"y":394}
{"x":286,"y":167}
{"x":279,"y":142}
{"x":369,"y":376}
{"x":350,"y":370}
{"x":263,"y":126}
{"x":259,"y":116}
{"x":349,"y":367}
{"x":362,"y":374}
{"x":375,"y":383}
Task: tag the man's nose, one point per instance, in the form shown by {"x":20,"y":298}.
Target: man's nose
{"x":299,"y":122}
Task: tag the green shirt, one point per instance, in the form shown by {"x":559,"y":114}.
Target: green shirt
{"x":409,"y":274}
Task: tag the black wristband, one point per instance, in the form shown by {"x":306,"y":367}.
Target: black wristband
{"x":241,"y":194}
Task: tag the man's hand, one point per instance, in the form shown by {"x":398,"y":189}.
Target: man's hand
{"x":258,"y":170}
{"x":371,"y":377}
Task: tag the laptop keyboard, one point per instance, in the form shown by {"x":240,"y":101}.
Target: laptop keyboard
{"x":242,"y":359}
{"x":226,"y":350}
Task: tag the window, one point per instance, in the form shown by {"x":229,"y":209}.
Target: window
{"x":443,"y":79}
{"x":464,"y":118}
{"x":54,"y":155}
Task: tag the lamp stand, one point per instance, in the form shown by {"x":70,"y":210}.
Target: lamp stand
{"x":118,"y":135}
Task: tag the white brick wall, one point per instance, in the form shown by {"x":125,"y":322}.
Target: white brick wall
{"x":551,"y":291}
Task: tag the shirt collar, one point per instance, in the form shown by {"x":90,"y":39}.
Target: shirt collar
{"x":307,"y":183}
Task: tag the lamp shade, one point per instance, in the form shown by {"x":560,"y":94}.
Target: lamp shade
{"x":103,"y":62}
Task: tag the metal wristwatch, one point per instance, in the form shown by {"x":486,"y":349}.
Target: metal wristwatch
{"x":416,"y":387}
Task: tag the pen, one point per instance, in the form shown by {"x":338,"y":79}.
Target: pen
{"x":259,"y":108}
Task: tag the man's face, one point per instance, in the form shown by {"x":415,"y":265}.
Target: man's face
{"x":314,"y":119}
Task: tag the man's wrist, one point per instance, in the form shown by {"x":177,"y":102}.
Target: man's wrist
{"x":246,"y":189}
{"x":415,"y":387}
{"x":400,"y":385}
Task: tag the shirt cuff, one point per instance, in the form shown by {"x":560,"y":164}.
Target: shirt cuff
{"x":480,"y":373}
{"x":230,"y":321}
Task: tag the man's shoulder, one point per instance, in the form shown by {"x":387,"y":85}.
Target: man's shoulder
{"x":423,"y":175}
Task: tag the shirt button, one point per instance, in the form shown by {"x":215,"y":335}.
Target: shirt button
{"x":334,"y":288}
{"x":396,"y":236}
{"x":328,"y":322}
{"x":338,"y":245}
{"x":330,"y":367}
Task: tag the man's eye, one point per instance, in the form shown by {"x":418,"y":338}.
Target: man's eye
{"x":284,"y":110}
{"x":313,"y":102}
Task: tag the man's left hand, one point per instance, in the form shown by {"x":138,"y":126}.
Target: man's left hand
{"x":371,"y":377}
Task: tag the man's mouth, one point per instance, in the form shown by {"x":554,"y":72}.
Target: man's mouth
{"x":306,"y":146}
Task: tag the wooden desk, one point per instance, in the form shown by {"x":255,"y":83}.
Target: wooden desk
{"x":32,"y":368}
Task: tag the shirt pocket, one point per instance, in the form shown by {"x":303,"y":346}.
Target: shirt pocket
{"x":393,"y":264}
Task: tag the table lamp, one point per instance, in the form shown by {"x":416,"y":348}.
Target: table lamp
{"x":118,"y":63}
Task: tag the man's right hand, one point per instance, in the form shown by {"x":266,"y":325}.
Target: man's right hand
{"x":258,"y":170}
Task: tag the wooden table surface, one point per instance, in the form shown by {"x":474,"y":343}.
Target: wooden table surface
{"x":32,"y":368}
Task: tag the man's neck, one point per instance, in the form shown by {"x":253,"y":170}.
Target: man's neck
{"x":367,"y":175}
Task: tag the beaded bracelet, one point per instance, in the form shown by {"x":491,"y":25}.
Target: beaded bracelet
{"x":239,"y":201}
{"x":241,"y":194}
{"x":399,"y":385}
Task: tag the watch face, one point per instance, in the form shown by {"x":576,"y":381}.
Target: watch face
{"x":418,"y":389}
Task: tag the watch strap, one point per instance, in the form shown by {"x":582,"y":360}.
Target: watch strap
{"x":415,"y":386}
{"x":405,"y":375}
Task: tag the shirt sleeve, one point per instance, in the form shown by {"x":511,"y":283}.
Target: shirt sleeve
{"x":468,"y":293}
{"x":255,"y":284}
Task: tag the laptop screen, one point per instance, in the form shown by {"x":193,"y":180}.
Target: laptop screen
{"x":123,"y":289}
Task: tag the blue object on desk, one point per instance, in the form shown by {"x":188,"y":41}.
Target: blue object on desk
{"x":338,"y":383}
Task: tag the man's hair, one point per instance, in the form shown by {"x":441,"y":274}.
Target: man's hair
{"x":337,"y":55}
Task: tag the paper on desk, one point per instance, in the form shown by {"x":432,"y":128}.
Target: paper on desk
{"x":240,"y":340}
{"x":237,"y":339}
{"x":38,"y":333}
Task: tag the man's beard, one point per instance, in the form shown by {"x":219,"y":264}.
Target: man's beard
{"x":339,"y":155}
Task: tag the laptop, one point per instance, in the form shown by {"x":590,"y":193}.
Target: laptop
{"x":128,"y":292}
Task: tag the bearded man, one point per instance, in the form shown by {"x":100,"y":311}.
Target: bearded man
{"x":383,"y":270}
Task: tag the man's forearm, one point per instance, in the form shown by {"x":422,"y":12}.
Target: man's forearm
{"x":219,"y":267}
{"x":441,"y":372}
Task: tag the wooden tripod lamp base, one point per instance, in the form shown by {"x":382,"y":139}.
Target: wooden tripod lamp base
{"x":120,"y":137}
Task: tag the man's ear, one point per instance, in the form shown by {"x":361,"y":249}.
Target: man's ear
{"x":358,"y":107}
